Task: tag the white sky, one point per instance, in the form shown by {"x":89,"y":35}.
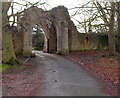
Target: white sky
{"x":54,"y":3}
{"x":67,"y":3}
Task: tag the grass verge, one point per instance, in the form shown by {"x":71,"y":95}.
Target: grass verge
{"x":4,"y":67}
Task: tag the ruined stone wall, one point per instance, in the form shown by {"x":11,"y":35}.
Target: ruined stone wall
{"x":60,"y":17}
{"x":61,"y":34}
{"x":55,"y":25}
{"x":73,"y":37}
{"x":88,"y":41}
{"x":84,"y":41}
{"x":18,"y":42}
{"x":52,"y":45}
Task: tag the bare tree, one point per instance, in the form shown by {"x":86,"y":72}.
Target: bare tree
{"x":118,"y":21}
{"x":93,"y":12}
{"x":111,"y":36}
{"x":8,"y":49}
{"x":106,"y":14}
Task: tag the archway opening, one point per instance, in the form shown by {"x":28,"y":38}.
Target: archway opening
{"x":52,"y":40}
{"x":44,"y":41}
{"x":38,"y":37}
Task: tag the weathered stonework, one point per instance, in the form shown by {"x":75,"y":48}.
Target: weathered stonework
{"x":17,"y":41}
{"x":61,"y":34}
{"x":55,"y":25}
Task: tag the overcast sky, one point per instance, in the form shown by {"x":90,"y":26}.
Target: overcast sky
{"x":54,"y":3}
{"x":67,"y":3}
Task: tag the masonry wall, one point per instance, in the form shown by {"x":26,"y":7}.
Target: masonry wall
{"x":87,"y":41}
{"x":61,"y":35}
{"x":84,"y":41}
{"x":18,"y":42}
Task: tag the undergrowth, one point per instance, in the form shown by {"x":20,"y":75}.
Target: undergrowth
{"x":5,"y":67}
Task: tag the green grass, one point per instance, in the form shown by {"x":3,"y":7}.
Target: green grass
{"x":4,"y":67}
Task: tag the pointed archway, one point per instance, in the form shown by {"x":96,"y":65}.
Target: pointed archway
{"x":53,"y":24}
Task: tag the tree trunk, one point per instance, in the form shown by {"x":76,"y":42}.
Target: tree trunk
{"x":118,"y":19}
{"x":8,"y":53}
{"x":111,"y":30}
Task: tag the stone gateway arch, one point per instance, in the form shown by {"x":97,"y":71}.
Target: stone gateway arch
{"x":56,"y":25}
{"x":61,"y":35}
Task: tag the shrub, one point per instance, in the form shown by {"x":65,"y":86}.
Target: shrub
{"x":12,"y":61}
{"x":104,"y":55}
{"x":39,"y":46}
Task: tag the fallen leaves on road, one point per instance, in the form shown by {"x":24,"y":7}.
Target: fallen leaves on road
{"x":106,"y":68}
{"x":23,"y":83}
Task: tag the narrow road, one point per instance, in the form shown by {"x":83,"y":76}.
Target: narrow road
{"x":65,"y":78}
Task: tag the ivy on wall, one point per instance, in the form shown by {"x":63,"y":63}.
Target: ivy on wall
{"x":103,"y":41}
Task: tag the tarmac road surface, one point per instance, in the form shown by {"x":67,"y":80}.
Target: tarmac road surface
{"x":66,"y":78}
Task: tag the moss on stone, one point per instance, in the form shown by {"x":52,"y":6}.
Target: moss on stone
{"x":12,"y":61}
{"x":26,"y":53}
{"x":33,"y":55}
{"x":65,"y":51}
{"x":103,"y":42}
{"x":59,"y":52}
